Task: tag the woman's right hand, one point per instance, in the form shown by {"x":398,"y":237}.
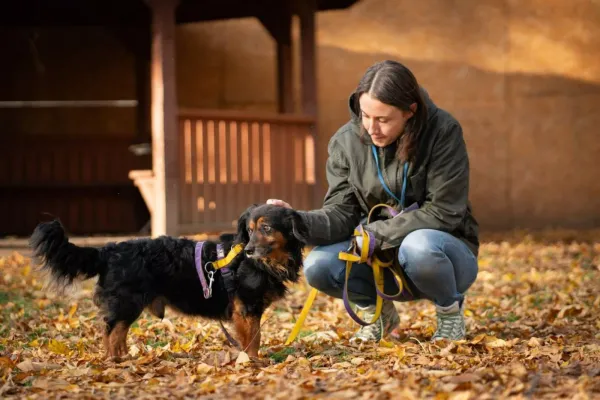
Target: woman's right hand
{"x":280,"y":203}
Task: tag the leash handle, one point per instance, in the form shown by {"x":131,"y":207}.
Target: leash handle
{"x":367,"y":250}
{"x":353,"y":315}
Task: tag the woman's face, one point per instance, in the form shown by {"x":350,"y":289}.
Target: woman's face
{"x":383,"y":122}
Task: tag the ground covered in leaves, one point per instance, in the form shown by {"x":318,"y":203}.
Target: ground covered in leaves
{"x":533,"y":331}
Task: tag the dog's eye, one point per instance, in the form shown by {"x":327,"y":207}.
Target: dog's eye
{"x":267,"y":229}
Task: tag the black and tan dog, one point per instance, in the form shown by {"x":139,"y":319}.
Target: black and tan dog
{"x":154,"y":273}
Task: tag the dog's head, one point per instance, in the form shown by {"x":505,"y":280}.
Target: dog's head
{"x":273,"y":235}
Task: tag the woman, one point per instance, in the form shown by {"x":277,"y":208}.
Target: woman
{"x":399,"y":148}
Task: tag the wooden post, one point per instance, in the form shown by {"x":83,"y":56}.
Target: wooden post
{"x":306,"y":13}
{"x":278,"y":21}
{"x":165,"y":136}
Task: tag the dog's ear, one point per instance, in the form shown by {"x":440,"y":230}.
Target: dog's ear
{"x":299,"y":228}
{"x":242,"y":225}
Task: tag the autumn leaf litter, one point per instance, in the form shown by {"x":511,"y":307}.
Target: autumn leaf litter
{"x":532,"y":317}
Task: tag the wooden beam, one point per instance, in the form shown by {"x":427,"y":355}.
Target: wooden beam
{"x":143,"y":74}
{"x":279,"y":24}
{"x":165,"y":138}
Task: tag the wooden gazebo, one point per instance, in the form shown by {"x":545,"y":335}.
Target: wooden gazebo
{"x":207,"y":165}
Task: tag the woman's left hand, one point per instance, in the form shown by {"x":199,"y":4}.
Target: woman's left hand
{"x":280,"y":203}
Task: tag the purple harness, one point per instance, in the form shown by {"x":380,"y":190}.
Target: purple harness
{"x":228,"y":281}
{"x":201,"y":267}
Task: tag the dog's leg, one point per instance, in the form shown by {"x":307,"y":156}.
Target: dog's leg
{"x":117,"y":341}
{"x":106,"y":341}
{"x":157,"y":307}
{"x":123,"y":313}
{"x":247,"y":328}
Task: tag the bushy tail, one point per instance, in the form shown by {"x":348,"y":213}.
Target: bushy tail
{"x":63,"y":259}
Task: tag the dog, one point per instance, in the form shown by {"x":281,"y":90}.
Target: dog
{"x":151,"y":274}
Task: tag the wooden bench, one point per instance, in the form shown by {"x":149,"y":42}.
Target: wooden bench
{"x":143,"y":179}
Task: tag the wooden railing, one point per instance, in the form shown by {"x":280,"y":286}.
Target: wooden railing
{"x":231,"y":159}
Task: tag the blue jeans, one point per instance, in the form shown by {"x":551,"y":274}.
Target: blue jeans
{"x":438,"y":267}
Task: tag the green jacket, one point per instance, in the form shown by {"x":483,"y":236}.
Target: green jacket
{"x":438,"y":181}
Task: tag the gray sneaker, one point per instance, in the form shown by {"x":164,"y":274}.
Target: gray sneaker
{"x":450,"y":322}
{"x":387,"y":322}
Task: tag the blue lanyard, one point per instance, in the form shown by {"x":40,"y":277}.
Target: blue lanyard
{"x":404,"y":179}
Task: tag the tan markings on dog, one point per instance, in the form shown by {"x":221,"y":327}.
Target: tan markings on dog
{"x":117,"y":341}
{"x":275,"y":266}
{"x":275,"y":240}
{"x":251,"y":225}
{"x":247,"y":329}
{"x":106,"y":343}
{"x":278,"y":242}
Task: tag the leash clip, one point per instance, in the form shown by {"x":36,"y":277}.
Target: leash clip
{"x":211,"y":279}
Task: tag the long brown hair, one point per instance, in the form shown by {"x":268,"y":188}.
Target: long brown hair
{"x":394,"y":84}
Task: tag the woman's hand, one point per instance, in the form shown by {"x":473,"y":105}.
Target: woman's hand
{"x":277,"y":202}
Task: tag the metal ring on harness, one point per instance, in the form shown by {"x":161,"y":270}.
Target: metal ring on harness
{"x":211,"y":265}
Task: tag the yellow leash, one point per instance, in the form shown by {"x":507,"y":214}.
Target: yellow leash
{"x":351,"y":257}
{"x":235,"y":250}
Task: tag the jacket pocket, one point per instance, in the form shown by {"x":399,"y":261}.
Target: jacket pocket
{"x":418,"y":182}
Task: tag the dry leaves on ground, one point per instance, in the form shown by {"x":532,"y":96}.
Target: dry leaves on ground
{"x":533,"y":332}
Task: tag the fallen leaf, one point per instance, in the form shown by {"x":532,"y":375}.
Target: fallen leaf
{"x":58,"y":347}
{"x":29,"y":365}
{"x":203,"y":368}
{"x":357,"y":360}
{"x":242,"y":358}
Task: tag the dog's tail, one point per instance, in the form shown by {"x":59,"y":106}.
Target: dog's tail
{"x":64,"y":260}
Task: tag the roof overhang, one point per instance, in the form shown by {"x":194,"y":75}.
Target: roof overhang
{"x":136,"y":12}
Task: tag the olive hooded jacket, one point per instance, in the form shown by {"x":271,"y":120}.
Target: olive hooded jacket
{"x":438,"y":180}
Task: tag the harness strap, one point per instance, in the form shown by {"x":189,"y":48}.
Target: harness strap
{"x":226,"y":272}
{"x":200,"y":270}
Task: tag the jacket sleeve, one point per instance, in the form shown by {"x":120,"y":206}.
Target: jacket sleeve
{"x":446,"y":200}
{"x":340,"y":213}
